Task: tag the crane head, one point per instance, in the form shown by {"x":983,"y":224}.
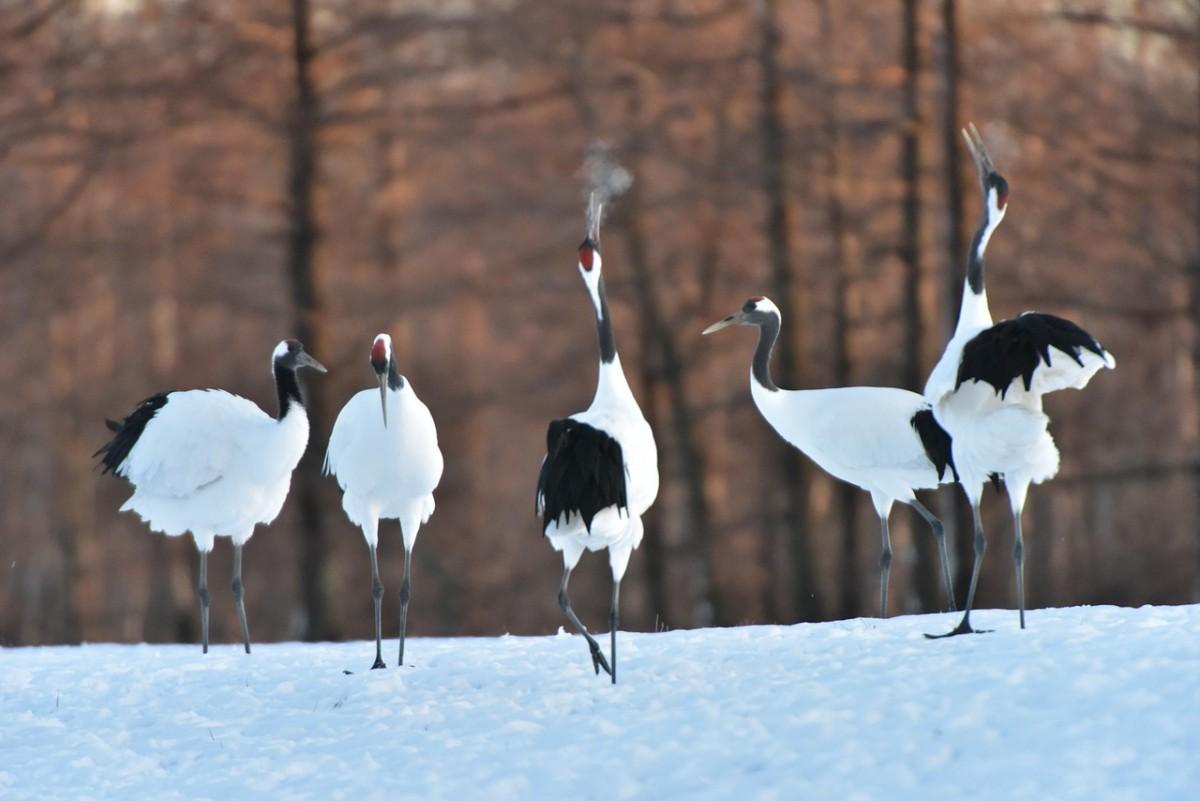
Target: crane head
{"x":590,"y":267}
{"x":290,"y":355}
{"x":995,"y":188}
{"x":381,"y":362}
{"x":755,"y":311}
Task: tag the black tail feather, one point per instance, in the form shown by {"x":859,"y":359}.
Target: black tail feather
{"x":128,"y":431}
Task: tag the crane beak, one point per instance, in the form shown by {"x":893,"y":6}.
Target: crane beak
{"x":383,"y":386}
{"x":719,"y":324}
{"x":304,"y":360}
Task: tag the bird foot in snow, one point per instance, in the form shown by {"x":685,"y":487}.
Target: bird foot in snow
{"x":379,"y":663}
{"x":962,"y":628}
{"x":598,"y":660}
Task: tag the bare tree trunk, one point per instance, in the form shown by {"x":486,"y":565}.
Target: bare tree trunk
{"x":689,"y":456}
{"x":793,"y":469}
{"x":955,"y":512}
{"x":653,"y":545}
{"x":302,"y":242}
{"x":1195,"y":268}
{"x":927,"y":569}
{"x":849,"y":604}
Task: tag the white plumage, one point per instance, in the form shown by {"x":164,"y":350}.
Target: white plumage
{"x":600,"y":473}
{"x":880,"y":439}
{"x":615,"y":412}
{"x":384,"y":453}
{"x":210,"y":463}
{"x":213,"y":464}
{"x":987,"y":388}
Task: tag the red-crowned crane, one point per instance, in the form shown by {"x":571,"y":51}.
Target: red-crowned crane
{"x":881,"y":439}
{"x":987,"y":388}
{"x":384,"y":453}
{"x":600,"y":473}
{"x":214,"y":464}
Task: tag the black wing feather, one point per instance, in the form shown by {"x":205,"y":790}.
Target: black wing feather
{"x":1016,"y":348}
{"x":584,"y":472}
{"x":129,"y":431}
{"x":936,"y":441}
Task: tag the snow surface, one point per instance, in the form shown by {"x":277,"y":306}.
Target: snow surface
{"x":1088,"y":703}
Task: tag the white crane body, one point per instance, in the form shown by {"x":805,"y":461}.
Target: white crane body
{"x":213,"y":463}
{"x":386,"y":472}
{"x":600,"y":472}
{"x":987,"y":388}
{"x":384,"y":453}
{"x":881,"y":439}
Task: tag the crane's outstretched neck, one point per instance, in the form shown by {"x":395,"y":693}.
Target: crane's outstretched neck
{"x":974,"y":311}
{"x":611,"y":386}
{"x":604,"y":330}
{"x":287,"y":387}
{"x":760,"y":371}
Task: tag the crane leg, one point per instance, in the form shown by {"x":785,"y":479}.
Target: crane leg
{"x":598,"y":660}
{"x":1019,"y":563}
{"x":885,"y":564}
{"x":614,"y":618}
{"x":202,"y":591}
{"x":939,"y":533}
{"x":405,"y":594}
{"x":964,"y":626}
{"x":377,"y":597}
{"x":239,"y":595}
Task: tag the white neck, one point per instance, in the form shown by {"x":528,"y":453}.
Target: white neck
{"x":611,"y":386}
{"x":974,"y":312}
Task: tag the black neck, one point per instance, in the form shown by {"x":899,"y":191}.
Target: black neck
{"x":975,"y":258}
{"x":395,"y":380}
{"x":287,"y":387}
{"x":768,"y":332}
{"x":604,"y":329}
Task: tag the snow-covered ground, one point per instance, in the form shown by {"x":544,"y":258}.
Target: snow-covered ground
{"x":1088,"y":703}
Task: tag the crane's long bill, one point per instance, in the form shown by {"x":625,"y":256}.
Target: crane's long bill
{"x":304,"y":360}
{"x":717,"y":326}
{"x":383,"y":388}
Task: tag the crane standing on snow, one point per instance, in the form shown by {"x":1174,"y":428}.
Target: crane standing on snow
{"x":600,"y":473}
{"x":881,"y":439}
{"x":388,"y":466}
{"x":987,"y":388}
{"x":213,"y":463}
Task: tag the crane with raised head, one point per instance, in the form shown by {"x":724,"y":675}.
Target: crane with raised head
{"x":987,"y":388}
{"x":600,"y":473}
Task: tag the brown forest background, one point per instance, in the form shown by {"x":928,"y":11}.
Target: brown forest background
{"x":185,"y":183}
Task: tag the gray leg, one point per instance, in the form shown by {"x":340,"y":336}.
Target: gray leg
{"x":598,"y":660}
{"x":377,"y":596}
{"x":939,"y":533}
{"x":405,"y":594}
{"x":202,"y":591}
{"x":964,"y":626}
{"x":239,"y":595}
{"x":1019,"y":564}
{"x":885,"y":565}
{"x":613,"y":622}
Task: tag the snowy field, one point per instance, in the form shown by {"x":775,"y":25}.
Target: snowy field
{"x":1088,"y":703}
